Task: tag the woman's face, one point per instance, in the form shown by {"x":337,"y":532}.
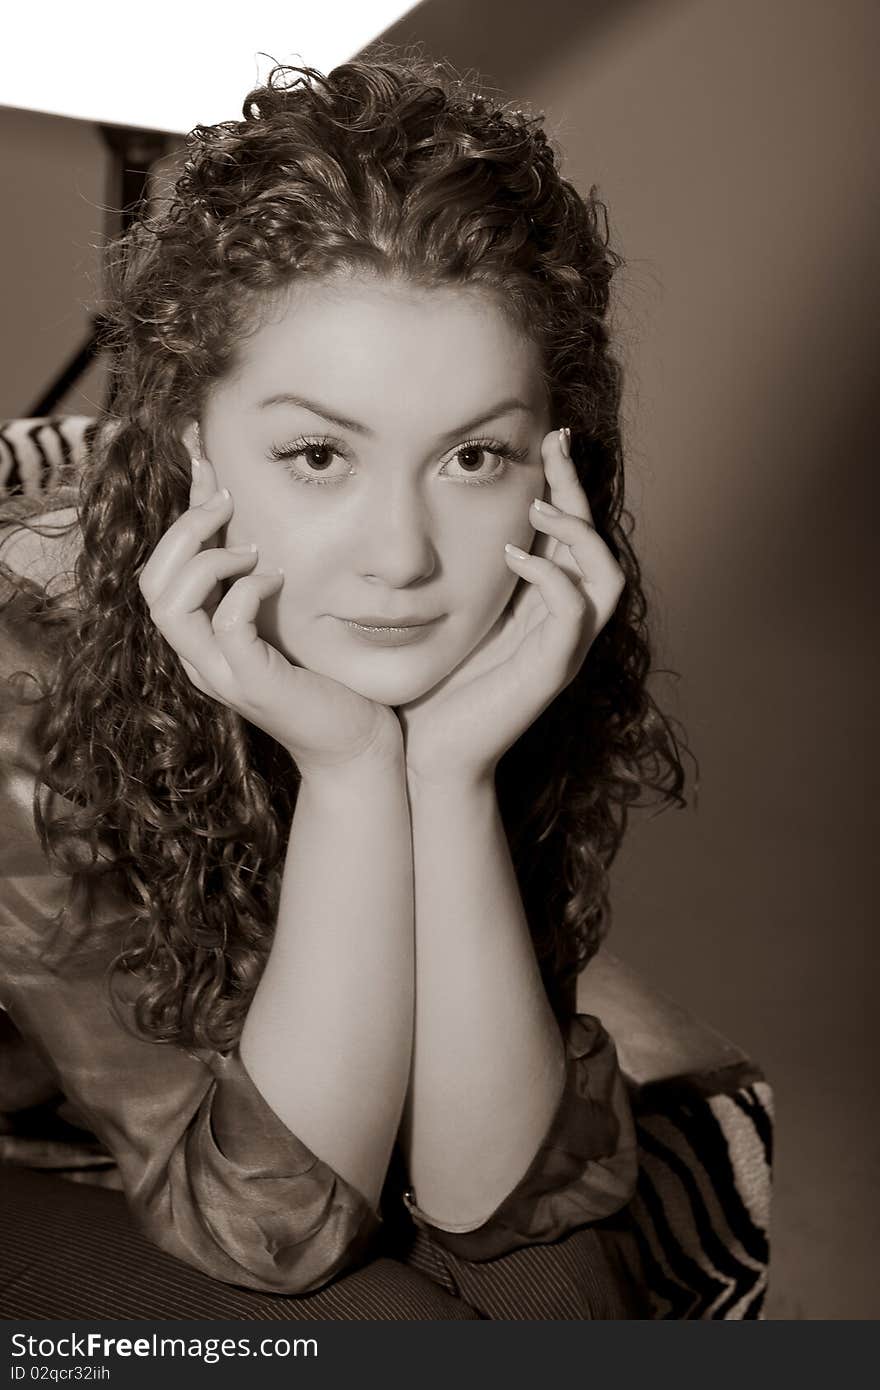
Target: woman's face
{"x":399,"y":507}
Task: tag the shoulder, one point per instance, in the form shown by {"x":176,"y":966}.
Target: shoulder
{"x":36,"y":572}
{"x":45,"y":555}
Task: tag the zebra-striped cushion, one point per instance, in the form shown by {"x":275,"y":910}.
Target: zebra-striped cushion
{"x":43,"y":455}
{"x":702,"y":1208}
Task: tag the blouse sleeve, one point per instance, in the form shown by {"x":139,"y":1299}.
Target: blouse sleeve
{"x":584,"y":1170}
{"x":210,"y":1172}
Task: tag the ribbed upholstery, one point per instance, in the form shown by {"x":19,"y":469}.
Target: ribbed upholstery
{"x":73,"y":1252}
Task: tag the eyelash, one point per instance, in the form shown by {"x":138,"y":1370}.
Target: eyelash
{"x":502,"y":448}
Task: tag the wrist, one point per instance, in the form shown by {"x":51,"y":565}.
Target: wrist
{"x":383,"y":755}
{"x":363,"y":771}
{"x":450,"y":782}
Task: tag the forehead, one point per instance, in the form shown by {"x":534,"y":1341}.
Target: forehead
{"x":366,"y":343}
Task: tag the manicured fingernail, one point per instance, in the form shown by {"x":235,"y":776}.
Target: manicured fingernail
{"x":219,"y":499}
{"x":515,"y":551}
{"x":565,"y":441}
{"x":547,"y":507}
{"x":196,"y":468}
{"x":249,"y":549}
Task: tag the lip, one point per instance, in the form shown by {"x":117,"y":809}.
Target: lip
{"x":386,"y":635}
{"x":377,"y":620}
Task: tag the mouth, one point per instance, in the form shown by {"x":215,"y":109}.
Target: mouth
{"x":391,"y":634}
{"x":371,"y":620}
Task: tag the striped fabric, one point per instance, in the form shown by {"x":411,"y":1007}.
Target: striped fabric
{"x":66,"y":1256}
{"x":41,"y":455}
{"x":702,"y":1209}
{"x":79,"y":1255}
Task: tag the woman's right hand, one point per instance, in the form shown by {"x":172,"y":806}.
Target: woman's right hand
{"x":323,"y":724}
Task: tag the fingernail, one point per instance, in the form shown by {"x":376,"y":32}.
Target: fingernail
{"x":548,"y":507}
{"x":565,"y":441}
{"x":196,"y":469}
{"x":249,"y":549}
{"x":219,"y":499}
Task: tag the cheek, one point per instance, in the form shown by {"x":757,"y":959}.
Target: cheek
{"x":481,"y":550}
{"x":283,"y":539}
{"x":254,"y":520}
{"x":485,"y":582}
{"x":294,"y":613}
{"x":511,"y":521}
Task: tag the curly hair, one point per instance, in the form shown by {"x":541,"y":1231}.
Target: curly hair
{"x":389,"y":164}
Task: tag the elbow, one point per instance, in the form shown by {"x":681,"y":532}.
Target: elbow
{"x":261,"y":1235}
{"x":540,"y":1215}
{"x":232,"y":1192}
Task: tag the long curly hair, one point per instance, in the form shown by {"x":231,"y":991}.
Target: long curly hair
{"x":389,"y":163}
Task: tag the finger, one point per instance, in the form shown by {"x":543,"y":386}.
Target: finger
{"x":202,"y":487}
{"x":180,"y":616}
{"x":182,"y":541}
{"x":192,"y":584}
{"x":204,"y":481}
{"x":565,"y":637}
{"x":198,"y":680}
{"x":563,"y":598}
{"x":235,"y":623}
{"x":566,"y":490}
{"x":590,"y":561}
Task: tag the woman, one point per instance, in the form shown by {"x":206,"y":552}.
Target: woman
{"x":345,"y":872}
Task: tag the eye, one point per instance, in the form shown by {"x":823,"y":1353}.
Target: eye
{"x":313,"y":451}
{"x":317,"y":454}
{"x":469,"y":454}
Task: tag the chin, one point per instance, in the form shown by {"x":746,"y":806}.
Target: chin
{"x":391,"y":691}
{"x":388,"y":676}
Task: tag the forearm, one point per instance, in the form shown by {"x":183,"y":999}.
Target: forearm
{"x":488,"y":1063}
{"x":328,"y":1036}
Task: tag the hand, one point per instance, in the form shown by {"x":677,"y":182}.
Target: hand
{"x":321,"y":722}
{"x":461,"y":727}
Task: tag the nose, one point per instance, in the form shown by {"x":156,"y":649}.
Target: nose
{"x":395,"y":545}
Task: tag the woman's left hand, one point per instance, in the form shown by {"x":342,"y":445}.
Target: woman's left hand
{"x":460,"y":728}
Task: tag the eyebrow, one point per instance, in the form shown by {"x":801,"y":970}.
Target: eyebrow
{"x":502,"y":408}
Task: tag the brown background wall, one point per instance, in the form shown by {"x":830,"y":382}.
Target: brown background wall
{"x":733,"y":146}
{"x":53,"y":176}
